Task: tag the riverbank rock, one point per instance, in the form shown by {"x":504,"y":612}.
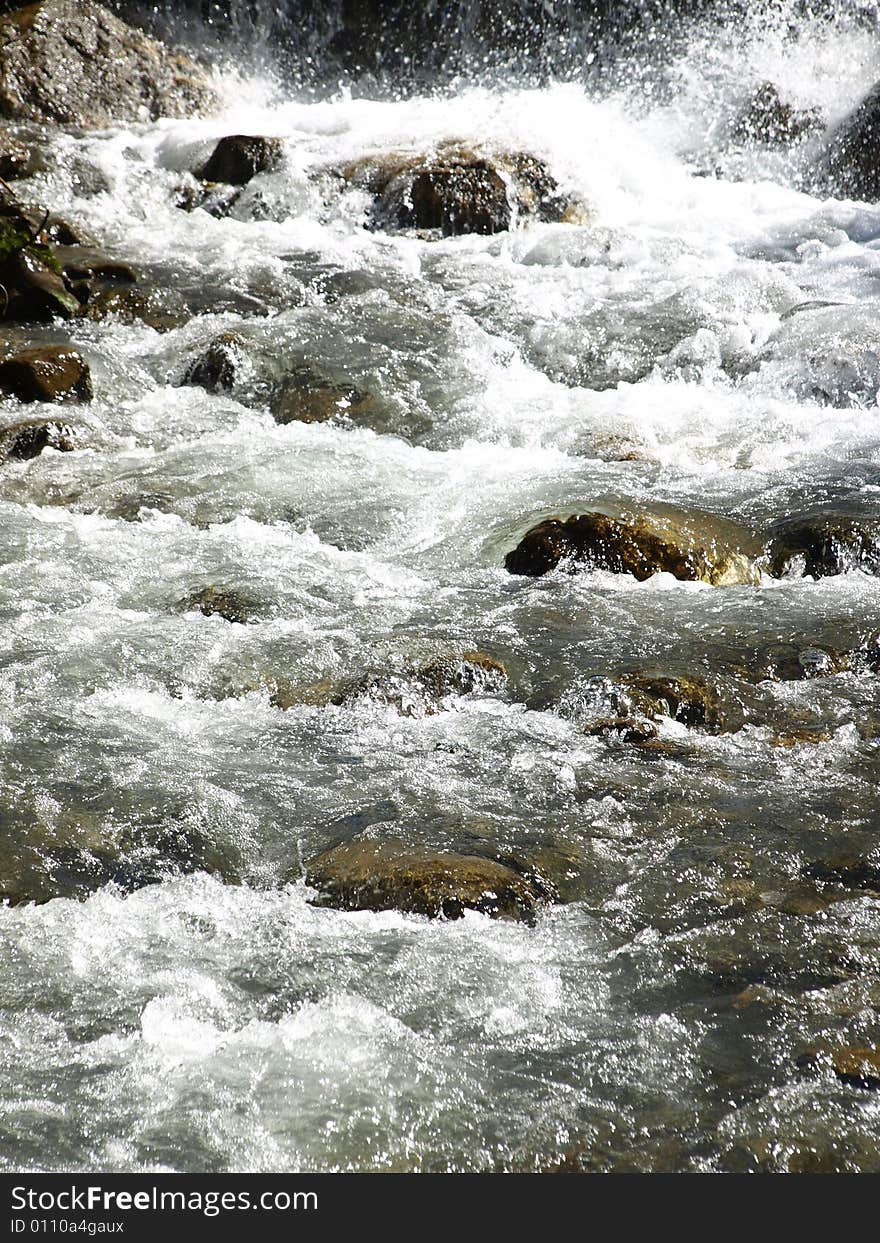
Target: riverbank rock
{"x":72,"y":62}
{"x":239,"y":157}
{"x":824,"y":544}
{"x":390,"y":875}
{"x":28,"y":439}
{"x":767,"y":118}
{"x":455,"y":190}
{"x":690,"y":546}
{"x":850,"y":161}
{"x":48,"y":373}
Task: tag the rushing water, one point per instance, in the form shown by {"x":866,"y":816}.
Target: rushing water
{"x":214,"y":1019}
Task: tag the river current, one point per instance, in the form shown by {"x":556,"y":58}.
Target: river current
{"x":179,"y":1003}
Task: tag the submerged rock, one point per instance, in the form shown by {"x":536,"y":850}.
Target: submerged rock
{"x":73,"y":62}
{"x":858,"y":1066}
{"x":216,"y":368}
{"x":390,"y":875}
{"x":28,"y":439}
{"x":48,"y":373}
{"x":161,"y":310}
{"x":690,"y":700}
{"x":792,"y":662}
{"x":232,"y":606}
{"x":850,"y":160}
{"x":421,"y":690}
{"x":239,"y":157}
{"x":690,"y":546}
{"x":824,"y":544}
{"x":306,"y":397}
{"x":766,"y":117}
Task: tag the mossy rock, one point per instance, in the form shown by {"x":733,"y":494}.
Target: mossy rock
{"x":391,"y":875}
{"x":689,"y":545}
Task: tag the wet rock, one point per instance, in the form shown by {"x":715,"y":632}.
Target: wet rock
{"x":794,"y":662}
{"x":690,"y":700}
{"x":795,"y":736}
{"x":453,"y":196}
{"x":824,"y":544}
{"x":49,"y":373}
{"x":766,"y":117}
{"x":216,"y":368}
{"x":35,"y":290}
{"x":239,"y":157}
{"x":390,"y":875}
{"x":623,"y":728}
{"x":16,"y":159}
{"x":73,"y":63}
{"x":307,"y":397}
{"x":456,"y":191}
{"x":858,"y":1066}
{"x":28,"y":439}
{"x":850,"y":873}
{"x":850,"y":161}
{"x":81,"y":262}
{"x":232,"y":606}
{"x":420,"y":691}
{"x":161,"y":310}
{"x":693,"y":546}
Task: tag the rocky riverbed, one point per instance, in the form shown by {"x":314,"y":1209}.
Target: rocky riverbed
{"x":440,"y":566}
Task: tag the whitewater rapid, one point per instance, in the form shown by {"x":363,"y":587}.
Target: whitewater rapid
{"x":188,"y":1008}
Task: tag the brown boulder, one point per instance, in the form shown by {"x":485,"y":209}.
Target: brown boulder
{"x":691,"y":546}
{"x":73,"y":62}
{"x":49,"y":373}
{"x":390,"y":875}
